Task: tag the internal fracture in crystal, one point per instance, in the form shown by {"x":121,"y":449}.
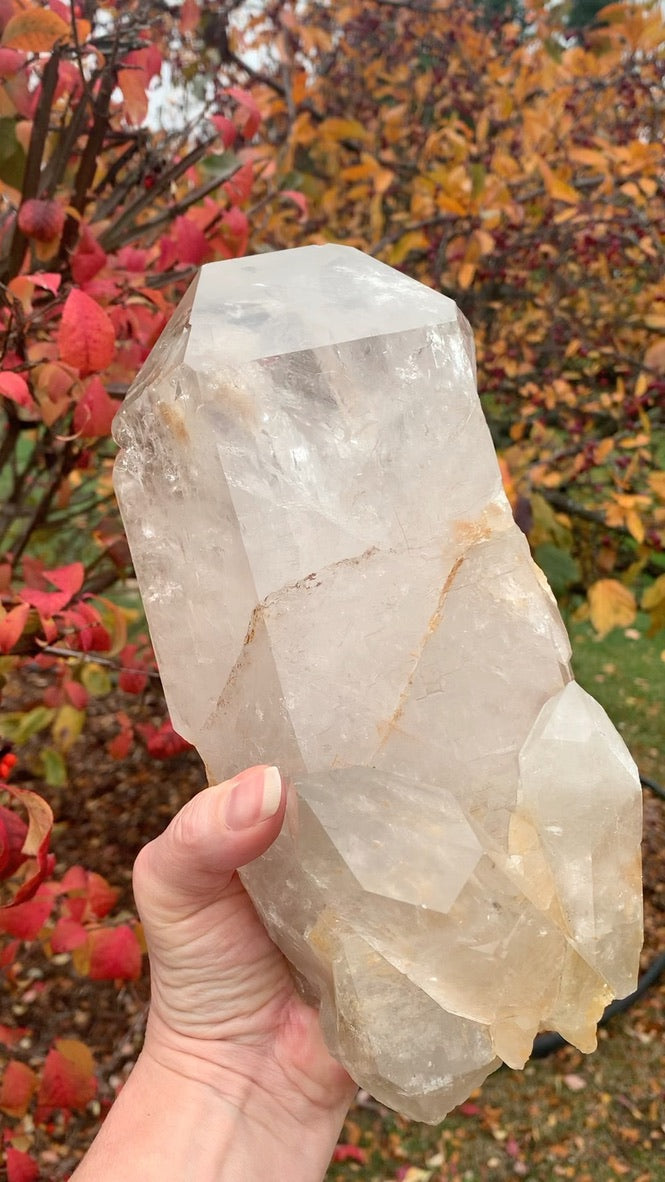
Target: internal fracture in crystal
{"x":334,"y":583}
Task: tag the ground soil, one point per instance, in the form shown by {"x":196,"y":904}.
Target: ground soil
{"x":542,"y":1124}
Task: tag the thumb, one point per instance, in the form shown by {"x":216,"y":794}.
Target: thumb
{"x":224,"y":827}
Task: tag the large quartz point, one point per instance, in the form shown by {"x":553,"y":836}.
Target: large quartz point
{"x":334,"y":583}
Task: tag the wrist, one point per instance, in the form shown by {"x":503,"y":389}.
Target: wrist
{"x":226,"y":1117}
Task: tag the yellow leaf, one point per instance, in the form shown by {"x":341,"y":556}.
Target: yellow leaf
{"x":654,"y":594}
{"x":657,"y":483}
{"x":635,"y":525}
{"x":36,"y":30}
{"x":67,"y":726}
{"x":641,"y":385}
{"x":115,"y":620}
{"x":611,"y":605}
{"x":653,"y":602}
{"x":590,"y":157}
{"x":412,"y":240}
{"x":342,"y":129}
{"x":603,"y":450}
{"x":450,"y":205}
{"x":465,"y":275}
{"x":556,"y":187}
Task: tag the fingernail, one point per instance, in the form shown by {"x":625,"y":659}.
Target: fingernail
{"x":255,"y":796}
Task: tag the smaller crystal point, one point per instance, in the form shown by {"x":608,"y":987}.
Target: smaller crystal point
{"x":334,"y":583}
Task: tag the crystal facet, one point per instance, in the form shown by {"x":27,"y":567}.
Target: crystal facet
{"x":334,"y":583}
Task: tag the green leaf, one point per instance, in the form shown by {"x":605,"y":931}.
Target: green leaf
{"x":18,"y":726}
{"x":96,"y":680}
{"x":220,"y":162}
{"x":559,"y":567}
{"x":53,"y":768}
{"x":12,"y":156}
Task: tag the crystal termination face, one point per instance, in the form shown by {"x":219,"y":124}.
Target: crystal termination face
{"x":334,"y":583}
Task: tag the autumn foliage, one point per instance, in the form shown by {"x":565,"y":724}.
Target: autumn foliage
{"x":519,"y":167}
{"x":102,"y":224}
{"x":508,"y":153}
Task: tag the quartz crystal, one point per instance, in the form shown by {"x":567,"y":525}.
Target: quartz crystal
{"x":334,"y":583}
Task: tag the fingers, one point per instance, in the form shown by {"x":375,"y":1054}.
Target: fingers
{"x":222,"y":828}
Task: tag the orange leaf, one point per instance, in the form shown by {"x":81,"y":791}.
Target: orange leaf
{"x":12,"y":625}
{"x":68,"y":579}
{"x":189,"y":16}
{"x":18,"y":1084}
{"x":132,"y":85}
{"x":68,"y":1080}
{"x":35,"y":30}
{"x":611,"y":605}
{"x":556,"y":187}
{"x":86,"y":338}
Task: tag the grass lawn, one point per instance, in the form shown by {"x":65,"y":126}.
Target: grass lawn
{"x":625,"y":671}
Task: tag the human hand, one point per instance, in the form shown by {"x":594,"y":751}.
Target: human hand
{"x":229,"y":1040}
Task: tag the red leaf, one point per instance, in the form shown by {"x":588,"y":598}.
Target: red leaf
{"x":163,"y":743}
{"x":94,"y":639}
{"x":67,"y":935}
{"x":187,"y":245}
{"x":102,"y":897}
{"x":11,"y":1035}
{"x":26,"y":920}
{"x":20,"y":1166}
{"x":239,"y":187}
{"x":115,"y":953}
{"x":132,"y":681}
{"x":234,"y":233}
{"x":148,"y":60}
{"x":88,"y":258}
{"x":77,"y":694}
{"x":350,"y":1153}
{"x":40,"y":825}
{"x":49,"y":280}
{"x":132,"y":258}
{"x":11,"y":61}
{"x":13,"y":832}
{"x":18,"y":1084}
{"x":12,"y":625}
{"x":226,"y":129}
{"x":68,"y":580}
{"x":68,"y":1079}
{"x":298,"y":199}
{"x":41,"y":220}
{"x":86,"y":338}
{"x":15,"y":388}
{"x":95,"y":411}
{"x":120,"y":746}
{"x":250,"y":116}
